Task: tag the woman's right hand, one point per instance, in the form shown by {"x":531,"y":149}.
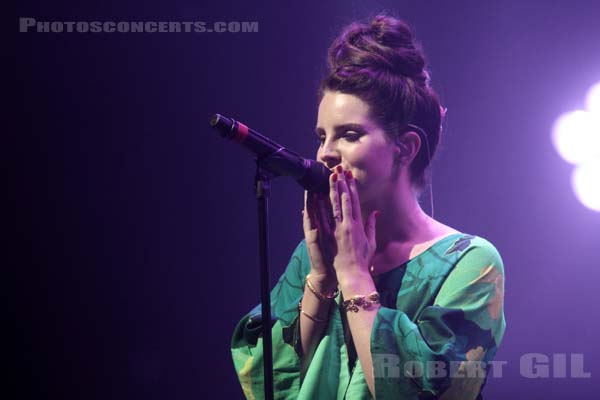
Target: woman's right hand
{"x":320,"y":241}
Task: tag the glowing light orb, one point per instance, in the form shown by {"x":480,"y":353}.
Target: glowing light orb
{"x":576,"y":136}
{"x":586,"y":184}
{"x":592,"y":99}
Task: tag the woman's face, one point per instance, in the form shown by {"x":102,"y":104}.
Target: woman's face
{"x":350,"y":138}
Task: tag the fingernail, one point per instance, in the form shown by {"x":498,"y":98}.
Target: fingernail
{"x":339,"y":169}
{"x":335,"y":177}
{"x":348,"y":174}
{"x":377,"y":213}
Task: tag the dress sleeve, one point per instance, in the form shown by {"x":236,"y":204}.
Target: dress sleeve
{"x":247,"y":345}
{"x":443,"y":352}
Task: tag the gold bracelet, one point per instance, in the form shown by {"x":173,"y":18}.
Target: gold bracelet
{"x":359,"y":301}
{"x":314,"y":319}
{"x":320,"y":296}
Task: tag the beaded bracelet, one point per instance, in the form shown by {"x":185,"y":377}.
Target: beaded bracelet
{"x":314,"y":319}
{"x":320,"y":296}
{"x":359,"y":301}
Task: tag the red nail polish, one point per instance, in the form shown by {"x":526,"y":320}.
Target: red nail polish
{"x":377,"y":213}
{"x":335,"y":177}
{"x":348,"y":174}
{"x":339,"y":169}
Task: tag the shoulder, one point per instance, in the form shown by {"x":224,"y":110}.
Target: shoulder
{"x":476,"y":249}
{"x":462,"y":242}
{"x":474,"y":259}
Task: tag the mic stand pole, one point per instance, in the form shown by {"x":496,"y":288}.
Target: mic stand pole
{"x":262,"y":186}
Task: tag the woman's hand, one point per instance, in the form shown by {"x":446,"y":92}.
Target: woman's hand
{"x":355,"y":241}
{"x":318,"y":231}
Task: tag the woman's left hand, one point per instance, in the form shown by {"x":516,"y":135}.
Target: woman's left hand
{"x":355,"y":240}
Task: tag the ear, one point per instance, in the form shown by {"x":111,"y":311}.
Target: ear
{"x":407,"y":145}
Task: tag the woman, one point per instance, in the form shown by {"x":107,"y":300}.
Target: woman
{"x":379,"y":300}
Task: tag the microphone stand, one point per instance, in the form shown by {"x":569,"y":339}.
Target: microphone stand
{"x":262,"y":186}
{"x":273,"y":160}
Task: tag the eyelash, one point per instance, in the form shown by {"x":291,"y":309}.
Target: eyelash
{"x":353,"y":137}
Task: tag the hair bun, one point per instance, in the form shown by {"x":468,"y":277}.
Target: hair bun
{"x":381,"y":63}
{"x":386,"y":44}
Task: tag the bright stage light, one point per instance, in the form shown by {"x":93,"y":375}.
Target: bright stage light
{"x":586,"y":184}
{"x":576,"y":136}
{"x":592,"y":99}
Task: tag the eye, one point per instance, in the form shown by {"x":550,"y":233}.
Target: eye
{"x":320,"y":140}
{"x":351,"y":136}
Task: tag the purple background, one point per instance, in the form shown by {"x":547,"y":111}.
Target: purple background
{"x":135,"y":224}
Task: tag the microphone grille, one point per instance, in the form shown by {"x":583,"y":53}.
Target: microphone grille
{"x":215,"y":120}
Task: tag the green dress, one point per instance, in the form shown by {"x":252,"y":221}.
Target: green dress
{"x":440,"y":322}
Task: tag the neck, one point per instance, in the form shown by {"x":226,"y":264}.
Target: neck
{"x":400,"y":227}
{"x":402,"y":220}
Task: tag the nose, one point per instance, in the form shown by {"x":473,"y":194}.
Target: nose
{"x":328,"y":155}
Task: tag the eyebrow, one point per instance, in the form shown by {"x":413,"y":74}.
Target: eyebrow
{"x":342,"y":128}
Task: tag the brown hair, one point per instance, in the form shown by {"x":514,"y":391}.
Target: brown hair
{"x":382,"y":64}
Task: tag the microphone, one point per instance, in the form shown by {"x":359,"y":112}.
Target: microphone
{"x":310,"y":174}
